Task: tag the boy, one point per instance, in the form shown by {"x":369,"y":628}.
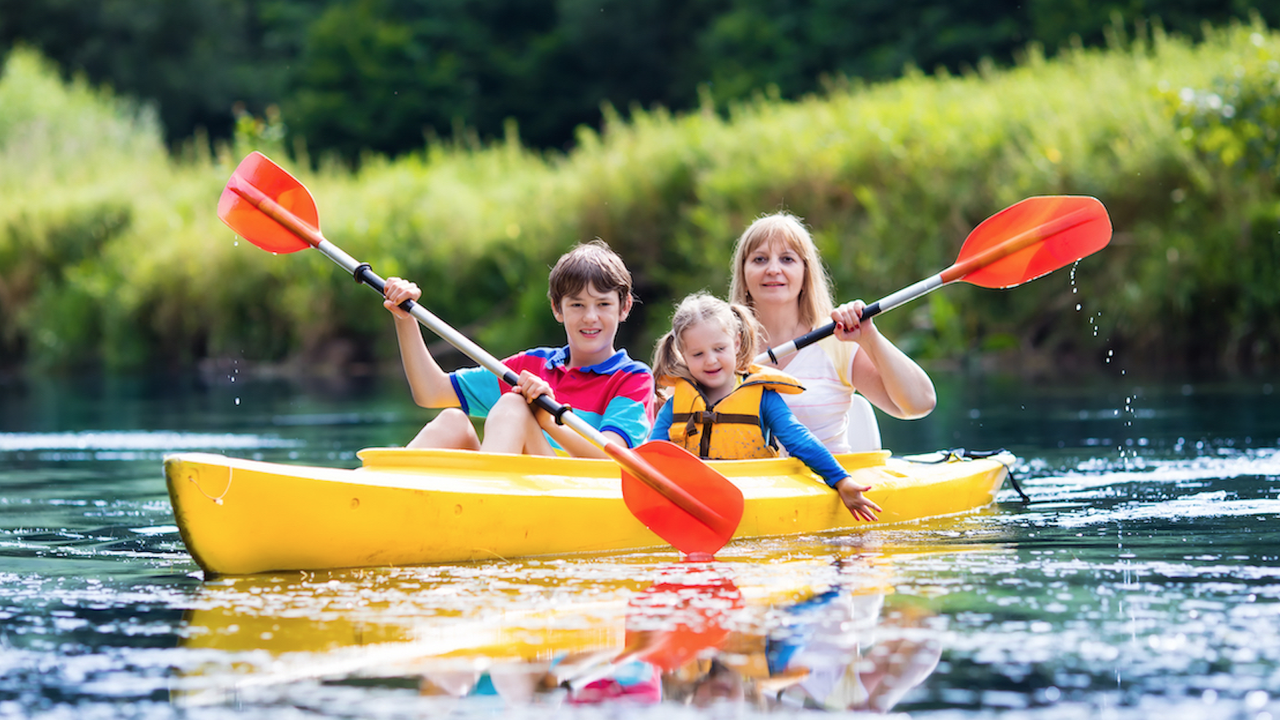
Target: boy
{"x":590,"y":293}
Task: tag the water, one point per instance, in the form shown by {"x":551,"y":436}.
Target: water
{"x":1141,"y":582}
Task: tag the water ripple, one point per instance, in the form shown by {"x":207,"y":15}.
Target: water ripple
{"x":103,"y":444}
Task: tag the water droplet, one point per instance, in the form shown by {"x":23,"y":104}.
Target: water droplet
{"x":237,"y":401}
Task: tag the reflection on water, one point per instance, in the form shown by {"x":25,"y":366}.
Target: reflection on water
{"x":1142,"y":582}
{"x":754,"y":631}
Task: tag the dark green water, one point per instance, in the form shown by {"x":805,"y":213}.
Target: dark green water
{"x":1143,"y":581}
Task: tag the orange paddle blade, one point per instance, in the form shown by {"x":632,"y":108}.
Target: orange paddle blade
{"x":237,"y":209}
{"x":673,"y":620}
{"x":718,"y":501}
{"x":1031,"y":239}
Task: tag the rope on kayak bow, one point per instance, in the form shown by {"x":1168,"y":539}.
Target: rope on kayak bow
{"x":964,"y":454}
{"x":192,"y":478}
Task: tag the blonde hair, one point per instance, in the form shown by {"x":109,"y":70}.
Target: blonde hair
{"x":789,"y":231}
{"x":698,"y":308}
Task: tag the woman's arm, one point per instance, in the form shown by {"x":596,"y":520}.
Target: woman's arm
{"x":884,"y":374}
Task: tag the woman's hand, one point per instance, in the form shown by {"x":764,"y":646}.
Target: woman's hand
{"x":396,"y":291}
{"x":849,"y":324}
{"x":859,"y":506}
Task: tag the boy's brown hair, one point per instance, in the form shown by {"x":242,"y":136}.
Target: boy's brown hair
{"x":594,"y":264}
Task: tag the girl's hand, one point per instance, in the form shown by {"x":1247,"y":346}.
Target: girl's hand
{"x":397,"y":291}
{"x":859,"y":506}
{"x":849,"y":324}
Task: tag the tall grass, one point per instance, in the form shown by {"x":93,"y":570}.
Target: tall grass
{"x":111,"y":249}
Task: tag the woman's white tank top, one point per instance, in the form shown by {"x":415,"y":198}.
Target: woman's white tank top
{"x":823,"y":407}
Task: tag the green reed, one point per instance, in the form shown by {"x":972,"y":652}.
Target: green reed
{"x":111,"y":248}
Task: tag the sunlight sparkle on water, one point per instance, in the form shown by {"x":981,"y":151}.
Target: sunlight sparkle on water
{"x":138,"y":440}
{"x":1138,"y":586}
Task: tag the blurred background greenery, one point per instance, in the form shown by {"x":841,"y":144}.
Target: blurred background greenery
{"x":467,"y":143}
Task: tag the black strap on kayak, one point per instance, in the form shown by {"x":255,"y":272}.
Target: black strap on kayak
{"x":964,"y":454}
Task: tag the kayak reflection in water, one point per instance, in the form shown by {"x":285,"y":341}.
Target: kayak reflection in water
{"x":668,"y":625}
{"x":832,"y":651}
{"x":798,"y":634}
{"x":825,"y":656}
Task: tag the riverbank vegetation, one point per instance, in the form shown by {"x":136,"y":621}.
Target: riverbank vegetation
{"x":354,"y":76}
{"x":111,"y":252}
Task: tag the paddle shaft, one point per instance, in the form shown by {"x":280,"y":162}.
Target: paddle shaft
{"x":958,"y":271}
{"x":363,"y":273}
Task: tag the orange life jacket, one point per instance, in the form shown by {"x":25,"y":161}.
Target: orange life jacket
{"x":728,"y":429}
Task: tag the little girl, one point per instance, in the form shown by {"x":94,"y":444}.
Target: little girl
{"x":723,"y":407}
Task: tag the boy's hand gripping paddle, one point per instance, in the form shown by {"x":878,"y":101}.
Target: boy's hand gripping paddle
{"x":674,"y":493}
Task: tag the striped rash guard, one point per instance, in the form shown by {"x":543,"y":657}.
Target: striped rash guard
{"x":616,"y":394}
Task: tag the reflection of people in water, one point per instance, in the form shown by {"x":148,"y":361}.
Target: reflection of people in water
{"x":670,"y":624}
{"x":831,"y":659}
{"x":520,"y":682}
{"x":517,"y":683}
{"x":825,"y":656}
{"x":832,"y":651}
{"x":635,"y":681}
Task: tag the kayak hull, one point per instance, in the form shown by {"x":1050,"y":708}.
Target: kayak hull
{"x":408,"y":507}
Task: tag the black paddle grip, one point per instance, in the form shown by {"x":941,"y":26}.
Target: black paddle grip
{"x":817,"y":334}
{"x":365,"y":275}
{"x":545,"y":402}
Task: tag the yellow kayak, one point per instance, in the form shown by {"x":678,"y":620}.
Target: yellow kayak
{"x":409,"y":507}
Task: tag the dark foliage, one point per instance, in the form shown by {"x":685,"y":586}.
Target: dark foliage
{"x":384,"y":75}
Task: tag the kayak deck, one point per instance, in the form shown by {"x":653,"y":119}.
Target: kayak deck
{"x":407,"y":507}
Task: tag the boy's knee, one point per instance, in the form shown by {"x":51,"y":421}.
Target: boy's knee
{"x":512,"y":427}
{"x":511,"y":407}
{"x":450,"y":417}
{"x":452,"y":428}
{"x":451,"y":422}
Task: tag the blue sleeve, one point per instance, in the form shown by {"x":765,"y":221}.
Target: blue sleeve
{"x":662,"y":423}
{"x":778,"y":419}
{"x":477,"y":390}
{"x":630,"y":405}
{"x":628,"y":418}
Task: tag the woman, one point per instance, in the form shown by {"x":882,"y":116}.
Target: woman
{"x":777,"y":273}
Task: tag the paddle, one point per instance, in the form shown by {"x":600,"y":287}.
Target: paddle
{"x":670,"y":622}
{"x":676,"y":495}
{"x":1016,"y":245}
